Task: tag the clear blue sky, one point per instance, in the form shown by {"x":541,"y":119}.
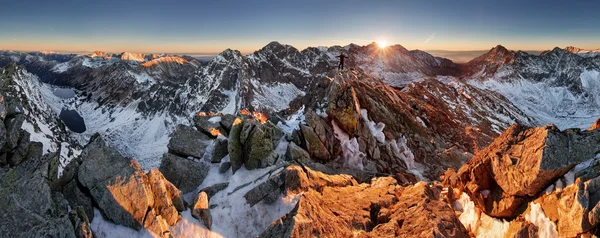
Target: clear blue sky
{"x":212,"y":26}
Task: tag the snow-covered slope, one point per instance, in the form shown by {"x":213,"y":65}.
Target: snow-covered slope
{"x":24,"y":93}
{"x":558,"y":86}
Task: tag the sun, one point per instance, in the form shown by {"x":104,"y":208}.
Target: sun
{"x":382,"y":44}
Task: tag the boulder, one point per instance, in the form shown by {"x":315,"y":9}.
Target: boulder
{"x":156,"y":224}
{"x":165,"y":196}
{"x":224,"y":167}
{"x":220,"y":149}
{"x":201,"y":210}
{"x":186,"y":141}
{"x":19,"y":154}
{"x":227,"y":121}
{"x":344,"y":107}
{"x":236,"y":153}
{"x":314,"y":145}
{"x":207,"y":125}
{"x":268,"y":191}
{"x":13,"y":131}
{"x":258,"y":146}
{"x":521,"y":163}
{"x":296,"y":153}
{"x":214,"y":189}
{"x":124,"y":193}
{"x":184,"y":173}
{"x":252,"y":144}
{"x":116,"y":184}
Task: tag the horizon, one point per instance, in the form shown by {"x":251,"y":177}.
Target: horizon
{"x":210,"y":27}
{"x":457,"y":56}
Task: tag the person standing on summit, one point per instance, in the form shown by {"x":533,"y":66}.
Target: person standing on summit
{"x":341,"y":65}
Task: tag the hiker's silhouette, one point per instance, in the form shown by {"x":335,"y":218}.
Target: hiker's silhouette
{"x":341,"y":65}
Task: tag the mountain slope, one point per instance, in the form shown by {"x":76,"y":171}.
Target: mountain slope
{"x":555,"y":87}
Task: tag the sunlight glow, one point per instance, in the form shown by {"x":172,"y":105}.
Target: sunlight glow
{"x":382,"y":43}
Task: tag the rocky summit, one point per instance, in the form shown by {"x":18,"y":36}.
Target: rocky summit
{"x":278,"y":143}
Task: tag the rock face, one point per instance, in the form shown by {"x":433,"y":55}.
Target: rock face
{"x":253,"y":143}
{"x":185,"y":173}
{"x":124,"y":193}
{"x":338,"y":205}
{"x":29,"y":207}
{"x":521,"y":163}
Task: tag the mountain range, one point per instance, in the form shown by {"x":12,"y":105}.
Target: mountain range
{"x":393,"y":112}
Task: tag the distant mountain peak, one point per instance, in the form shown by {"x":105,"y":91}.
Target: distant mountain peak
{"x":166,"y":60}
{"x":130,"y":56}
{"x":97,"y":53}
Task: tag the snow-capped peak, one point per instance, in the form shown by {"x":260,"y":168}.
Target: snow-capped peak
{"x":166,"y":59}
{"x":97,"y":53}
{"x":130,"y":56}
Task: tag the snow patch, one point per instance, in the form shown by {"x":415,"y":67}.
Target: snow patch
{"x":353,"y":158}
{"x":402,"y":151}
{"x":274,"y":96}
{"x":546,"y":228}
{"x":478,"y":222}
{"x":375,"y":128}
{"x":293,"y":122}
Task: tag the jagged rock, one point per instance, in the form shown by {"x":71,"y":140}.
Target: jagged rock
{"x":19,"y":154}
{"x":78,"y":198}
{"x":594,"y":126}
{"x":28,"y":205}
{"x":156,"y":224}
{"x":3,"y":139}
{"x":201,"y":210}
{"x":117,"y":185}
{"x":35,"y":150}
{"x":81,"y":223}
{"x":344,"y":107}
{"x":220,"y":150}
{"x":234,"y":147}
{"x":227,"y":122}
{"x":295,"y":179}
{"x":204,"y":125}
{"x":521,"y":163}
{"x":574,"y":209}
{"x":187,"y":141}
{"x":13,"y":131}
{"x":214,"y":189}
{"x":522,"y":229}
{"x":269,"y":191}
{"x":2,"y":108}
{"x":224,"y":167}
{"x":296,"y":153}
{"x":164,"y":199}
{"x":378,"y":209}
{"x":259,"y":142}
{"x":184,"y":173}
{"x":125,"y":194}
{"x":314,"y":145}
{"x":301,"y":179}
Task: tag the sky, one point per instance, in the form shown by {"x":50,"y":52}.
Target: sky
{"x":152,"y":26}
